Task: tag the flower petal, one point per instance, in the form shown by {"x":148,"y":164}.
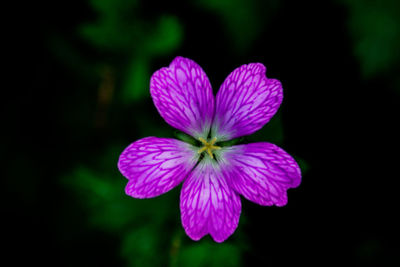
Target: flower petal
{"x":261,"y":172}
{"x":183,"y":96}
{"x":246,"y":101}
{"x":208,"y":205}
{"x":155,"y":165}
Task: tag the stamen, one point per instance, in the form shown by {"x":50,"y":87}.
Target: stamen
{"x":213,"y":141}
{"x":210,"y":153}
{"x":203,"y":141}
{"x":201,"y":150}
{"x":208,"y":146}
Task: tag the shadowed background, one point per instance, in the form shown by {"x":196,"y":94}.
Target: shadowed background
{"x":85,"y":97}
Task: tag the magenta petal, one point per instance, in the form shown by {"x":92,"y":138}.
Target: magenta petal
{"x":155,"y":165}
{"x":183,"y":96}
{"x":246,"y":101}
{"x":261,"y":172}
{"x":208,"y":205}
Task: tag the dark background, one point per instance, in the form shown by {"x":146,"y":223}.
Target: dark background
{"x":81,"y":94}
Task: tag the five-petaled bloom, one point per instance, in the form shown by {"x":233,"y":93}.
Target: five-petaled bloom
{"x":214,"y":176}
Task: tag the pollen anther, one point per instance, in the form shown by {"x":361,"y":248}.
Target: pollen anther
{"x":208,"y":146}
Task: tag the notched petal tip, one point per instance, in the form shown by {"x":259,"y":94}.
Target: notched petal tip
{"x":208,"y":205}
{"x":246,"y":101}
{"x":261,"y":172}
{"x":194,"y":235}
{"x":183,"y":96}
{"x":179,"y":59}
{"x":256,"y":67}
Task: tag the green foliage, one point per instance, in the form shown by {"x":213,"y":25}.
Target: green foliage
{"x":374,"y":27}
{"x":120,"y":30}
{"x":140,"y":246}
{"x":102,"y":192}
{"x":243,"y":19}
{"x":208,"y":253}
{"x":137,"y":80}
{"x":114,"y":28}
{"x":143,"y":225}
{"x":166,"y":36}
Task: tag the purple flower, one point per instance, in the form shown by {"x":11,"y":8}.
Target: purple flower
{"x":214,"y":176}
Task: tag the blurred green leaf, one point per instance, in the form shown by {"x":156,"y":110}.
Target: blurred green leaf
{"x":137,"y":80}
{"x":166,"y":37}
{"x":102,"y":193}
{"x":109,"y":208}
{"x":209,"y":253}
{"x":243,"y":19}
{"x":115,"y":27}
{"x":374,"y":27}
{"x":120,"y":30}
{"x":140,"y":246}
